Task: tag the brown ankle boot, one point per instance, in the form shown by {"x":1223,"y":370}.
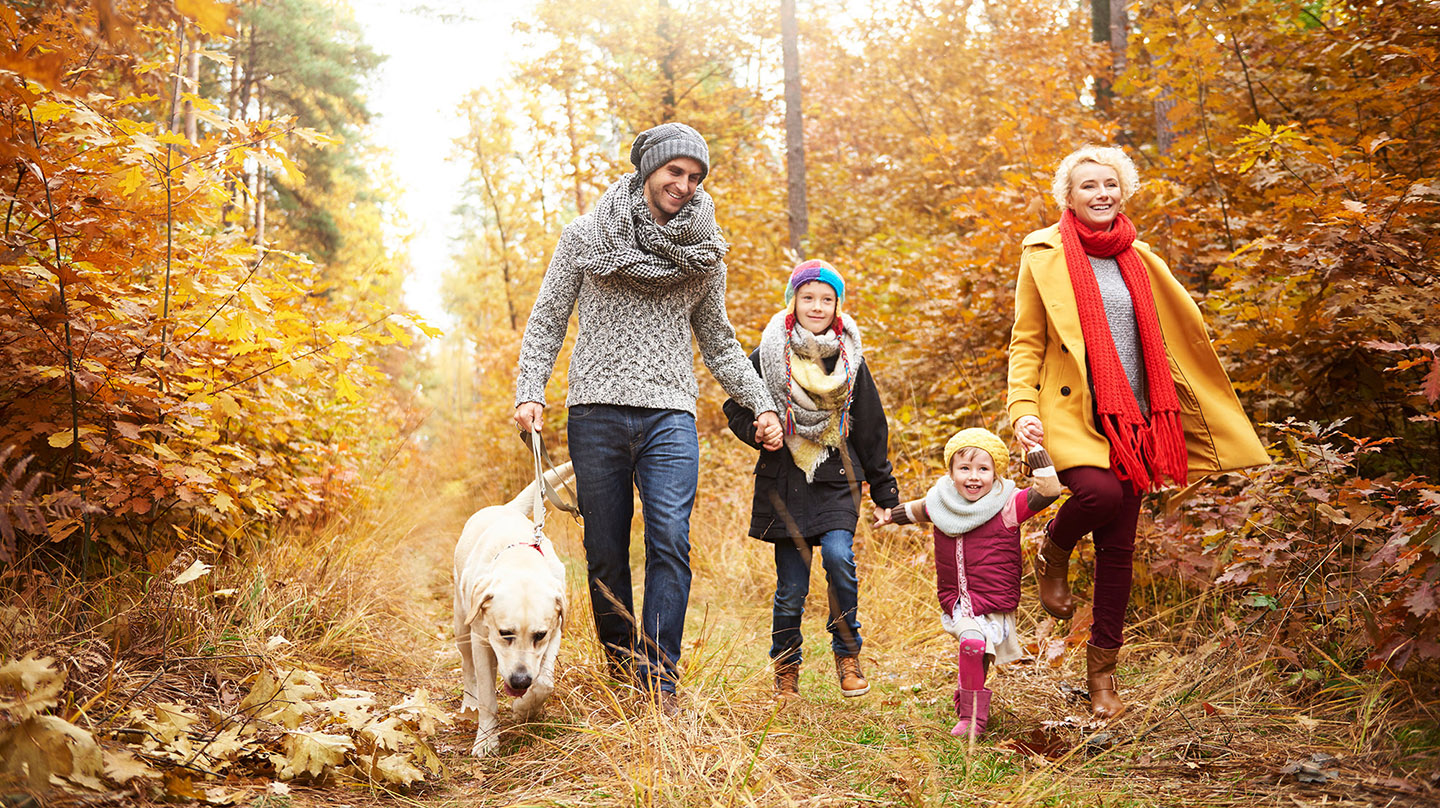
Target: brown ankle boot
{"x":787,"y":679}
{"x":1052,"y":570}
{"x":1100,"y":676}
{"x":852,"y":681}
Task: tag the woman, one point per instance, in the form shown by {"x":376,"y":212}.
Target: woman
{"x":1111,"y":368}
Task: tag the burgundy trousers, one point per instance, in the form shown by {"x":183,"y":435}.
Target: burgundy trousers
{"x":1108,"y":508}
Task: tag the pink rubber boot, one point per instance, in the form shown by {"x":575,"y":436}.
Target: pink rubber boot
{"x":972,"y":699}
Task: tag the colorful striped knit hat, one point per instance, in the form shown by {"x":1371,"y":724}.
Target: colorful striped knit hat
{"x":815,"y":270}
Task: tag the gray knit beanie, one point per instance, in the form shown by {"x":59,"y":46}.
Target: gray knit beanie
{"x":659,"y":145}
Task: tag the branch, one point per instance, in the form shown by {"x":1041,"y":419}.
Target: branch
{"x":315,"y":350}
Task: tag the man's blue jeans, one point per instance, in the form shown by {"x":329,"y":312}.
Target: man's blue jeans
{"x":792,"y":585}
{"x":658,"y":452}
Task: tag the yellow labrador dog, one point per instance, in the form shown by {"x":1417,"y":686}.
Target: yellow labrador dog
{"x":509,"y":611}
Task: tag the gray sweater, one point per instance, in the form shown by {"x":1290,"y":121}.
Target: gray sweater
{"x":1120,"y":311}
{"x":633,"y":347}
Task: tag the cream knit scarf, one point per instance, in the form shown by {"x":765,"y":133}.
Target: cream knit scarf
{"x":955,"y":515}
{"x":816,"y":401}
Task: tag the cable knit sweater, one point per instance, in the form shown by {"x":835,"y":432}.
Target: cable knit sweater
{"x":633,"y":346}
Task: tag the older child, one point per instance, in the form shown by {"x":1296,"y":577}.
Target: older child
{"x":807,"y":492}
{"x":977,"y":557}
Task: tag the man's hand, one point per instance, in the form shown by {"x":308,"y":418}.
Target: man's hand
{"x":1030,"y":431}
{"x":768,"y":432}
{"x":529,"y":416}
{"x":882,"y":517}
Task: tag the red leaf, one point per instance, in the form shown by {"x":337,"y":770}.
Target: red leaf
{"x":1431,"y":386}
{"x":1422,"y":601}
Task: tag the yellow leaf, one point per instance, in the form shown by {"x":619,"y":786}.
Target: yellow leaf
{"x":293,"y":174}
{"x":165,"y":451}
{"x":425,"y":328}
{"x":44,"y":745}
{"x":421,"y":712}
{"x":397,"y":769}
{"x":172,"y":720}
{"x":194,"y":571}
{"x":312,"y":752}
{"x":212,"y":17}
{"x":29,"y":686}
{"x":353,"y":710}
{"x":388,"y":734}
{"x":134,"y":178}
{"x":223,"y":502}
{"x":47,"y":111}
{"x":122,"y":767}
{"x":283,"y":701}
{"x":346,"y":389}
{"x":62,"y":439}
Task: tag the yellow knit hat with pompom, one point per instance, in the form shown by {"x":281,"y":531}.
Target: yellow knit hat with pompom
{"x":984,"y":440}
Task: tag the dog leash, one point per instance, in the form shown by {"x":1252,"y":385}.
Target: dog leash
{"x":543,"y":488}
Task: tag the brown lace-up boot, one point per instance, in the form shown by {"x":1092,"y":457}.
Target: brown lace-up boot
{"x":852,"y":681}
{"x":1052,"y":570}
{"x":787,"y":680}
{"x":1100,"y":676}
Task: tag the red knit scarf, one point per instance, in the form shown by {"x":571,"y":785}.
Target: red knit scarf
{"x":1141,"y":451}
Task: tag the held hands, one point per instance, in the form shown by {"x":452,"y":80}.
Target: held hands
{"x":1030,"y":431}
{"x":529,"y":415}
{"x":768,"y":432}
{"x":883,"y":516}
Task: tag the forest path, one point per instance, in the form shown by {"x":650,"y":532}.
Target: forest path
{"x":601,"y":744}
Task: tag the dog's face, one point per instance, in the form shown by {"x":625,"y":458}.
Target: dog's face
{"x":520,"y":620}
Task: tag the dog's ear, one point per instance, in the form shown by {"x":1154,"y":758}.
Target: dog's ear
{"x":560,"y":608}
{"x":480,"y":598}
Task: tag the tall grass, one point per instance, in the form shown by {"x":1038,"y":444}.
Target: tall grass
{"x":368,"y":596}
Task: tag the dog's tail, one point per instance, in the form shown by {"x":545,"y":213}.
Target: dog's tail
{"x":555,"y":477}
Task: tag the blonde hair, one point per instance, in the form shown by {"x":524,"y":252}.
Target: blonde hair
{"x":1108,"y":156}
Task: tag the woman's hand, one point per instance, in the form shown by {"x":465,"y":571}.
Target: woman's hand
{"x":882,"y":517}
{"x":1030,"y":431}
{"x":529,"y":416}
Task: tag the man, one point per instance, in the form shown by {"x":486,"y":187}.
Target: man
{"x":646,"y":268}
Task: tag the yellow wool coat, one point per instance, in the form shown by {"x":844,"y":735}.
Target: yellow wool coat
{"x":1049,"y":378}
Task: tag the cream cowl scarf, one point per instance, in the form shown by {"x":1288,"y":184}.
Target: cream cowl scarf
{"x":817,"y":402}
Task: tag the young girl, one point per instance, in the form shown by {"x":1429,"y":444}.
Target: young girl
{"x":807,"y":492}
{"x":977,"y":557}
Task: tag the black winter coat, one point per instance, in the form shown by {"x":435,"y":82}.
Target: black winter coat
{"x":831,"y":502}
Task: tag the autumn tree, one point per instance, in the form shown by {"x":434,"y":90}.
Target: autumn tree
{"x":172,"y":379}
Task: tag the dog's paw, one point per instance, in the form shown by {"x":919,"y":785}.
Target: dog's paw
{"x":526,"y":713}
{"x":486,"y":743}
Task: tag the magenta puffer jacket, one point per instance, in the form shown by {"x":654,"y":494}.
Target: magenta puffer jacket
{"x":992,"y":561}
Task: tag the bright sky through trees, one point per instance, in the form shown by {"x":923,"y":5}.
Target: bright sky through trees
{"x":436,"y":53}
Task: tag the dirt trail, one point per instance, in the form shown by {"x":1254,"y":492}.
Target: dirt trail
{"x":601,"y":745}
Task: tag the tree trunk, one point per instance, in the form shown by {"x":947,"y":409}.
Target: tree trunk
{"x":192,"y":78}
{"x":1109,"y":24}
{"x":1164,"y":130}
{"x":1119,"y":36}
{"x":260,"y":192}
{"x":232,"y":110}
{"x":505,"y":273}
{"x":667,"y":63}
{"x":173,"y":124}
{"x":574,"y":146}
{"x":794,"y":132}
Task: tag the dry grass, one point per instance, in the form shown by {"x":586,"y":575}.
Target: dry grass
{"x":1210,"y":725}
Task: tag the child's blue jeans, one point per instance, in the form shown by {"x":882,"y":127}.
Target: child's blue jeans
{"x":792,"y":585}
